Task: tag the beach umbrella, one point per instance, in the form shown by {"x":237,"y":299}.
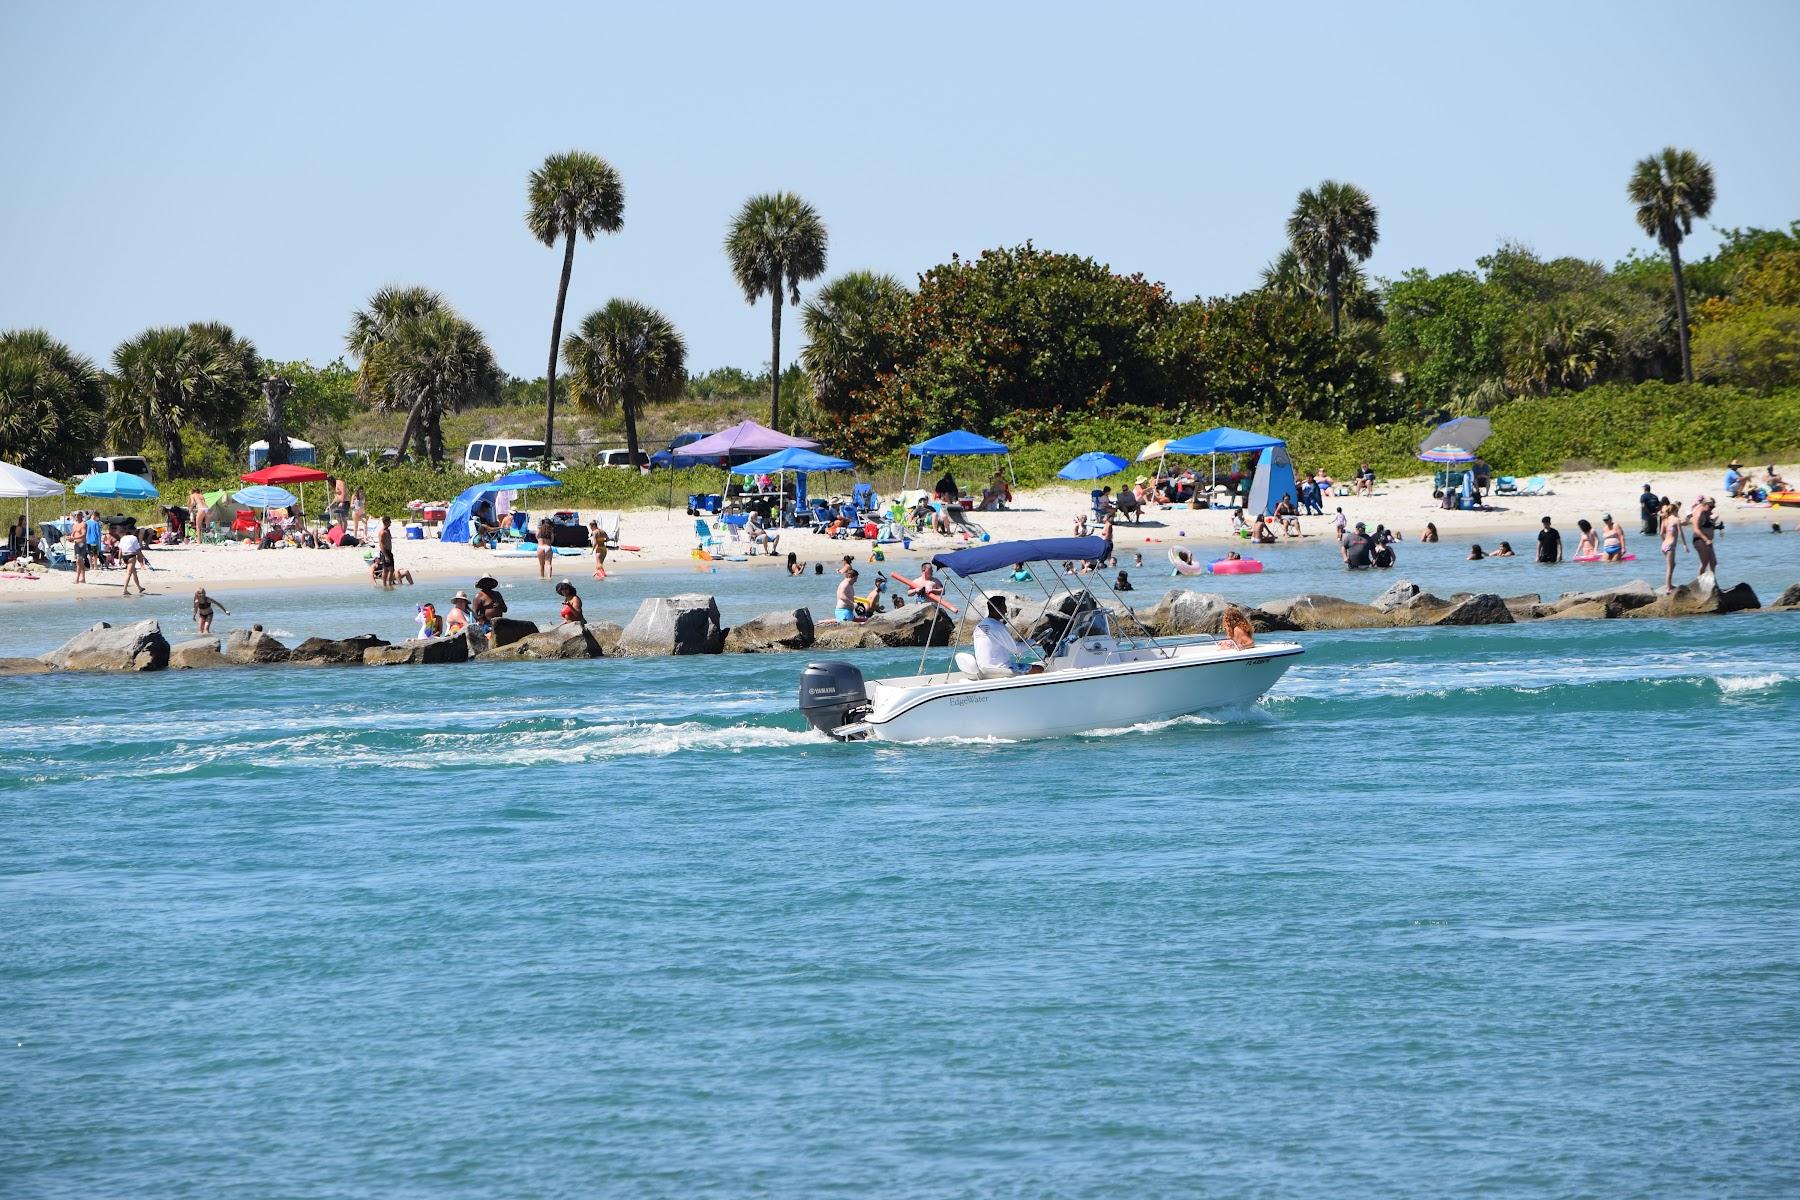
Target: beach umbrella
{"x":117,"y":485}
{"x":16,"y":483}
{"x":1466,"y":433}
{"x":1157,"y":449}
{"x":288,"y":473}
{"x":1447,"y":454}
{"x":1092,"y":465}
{"x":264,"y":496}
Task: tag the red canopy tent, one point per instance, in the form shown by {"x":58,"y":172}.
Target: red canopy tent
{"x":287,"y":473}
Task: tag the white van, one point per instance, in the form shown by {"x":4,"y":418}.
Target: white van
{"x":131,"y":464}
{"x":620,"y":458}
{"x":496,"y":456}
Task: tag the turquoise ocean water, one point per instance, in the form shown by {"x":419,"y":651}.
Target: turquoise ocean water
{"x":1503,"y":911}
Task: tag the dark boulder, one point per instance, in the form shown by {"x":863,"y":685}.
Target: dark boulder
{"x":318,"y":651}
{"x":418,"y":652}
{"x":771,"y":632}
{"x":252,"y":645}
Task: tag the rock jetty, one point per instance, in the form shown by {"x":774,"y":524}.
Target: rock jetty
{"x":690,"y":624}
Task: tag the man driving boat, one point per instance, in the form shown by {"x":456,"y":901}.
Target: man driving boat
{"x":996,"y":649}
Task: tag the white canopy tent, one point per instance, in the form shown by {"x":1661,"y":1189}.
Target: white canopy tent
{"x":16,"y":483}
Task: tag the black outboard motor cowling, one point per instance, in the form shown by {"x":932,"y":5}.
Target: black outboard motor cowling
{"x":831,"y":695}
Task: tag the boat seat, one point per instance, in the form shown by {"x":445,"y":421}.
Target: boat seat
{"x":965,"y":662}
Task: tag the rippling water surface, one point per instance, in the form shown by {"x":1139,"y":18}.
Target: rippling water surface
{"x":1481,"y":912}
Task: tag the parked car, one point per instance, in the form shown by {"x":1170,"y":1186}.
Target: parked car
{"x":496,"y":456}
{"x":131,"y":464}
{"x":373,"y":458}
{"x":620,"y":457}
{"x":300,"y":454}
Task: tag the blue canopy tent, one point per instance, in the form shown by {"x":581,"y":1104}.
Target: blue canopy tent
{"x":947,"y":445}
{"x":796,"y":459}
{"x":978,"y":560}
{"x":1225,"y":440}
{"x":456,"y":521}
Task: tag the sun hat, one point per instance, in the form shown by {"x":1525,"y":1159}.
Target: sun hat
{"x":487,"y":583}
{"x":460,"y":595}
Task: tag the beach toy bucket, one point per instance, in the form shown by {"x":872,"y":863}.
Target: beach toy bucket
{"x":906,"y":543}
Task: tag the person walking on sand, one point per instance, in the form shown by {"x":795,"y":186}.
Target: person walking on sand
{"x":1550,"y":547}
{"x":92,"y":534}
{"x":197,"y":510}
{"x":1674,"y":536}
{"x":546,"y":547}
{"x":389,"y":571}
{"x":203,"y":610}
{"x":359,"y":515}
{"x":131,"y":549}
{"x":1706,"y":527}
{"x":1339,"y":523}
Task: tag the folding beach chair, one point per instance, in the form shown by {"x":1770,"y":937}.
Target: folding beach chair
{"x":734,"y":527}
{"x":1506,"y":485}
{"x":960,"y":523}
{"x":703,"y":531}
{"x":1535,"y":486}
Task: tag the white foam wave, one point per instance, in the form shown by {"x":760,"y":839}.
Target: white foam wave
{"x":1733,"y":685}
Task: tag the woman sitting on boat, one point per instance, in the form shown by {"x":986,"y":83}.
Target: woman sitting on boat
{"x":1237,"y":631}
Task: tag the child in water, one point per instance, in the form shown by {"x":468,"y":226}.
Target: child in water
{"x":430,"y":624}
{"x":1122,"y":583}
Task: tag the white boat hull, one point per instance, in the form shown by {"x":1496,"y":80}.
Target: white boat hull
{"x":1058,"y":703}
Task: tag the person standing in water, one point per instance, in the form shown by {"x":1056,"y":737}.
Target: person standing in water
{"x":846,"y":595}
{"x":597,"y":541}
{"x":1612,"y":540}
{"x":1589,"y":545}
{"x":1706,"y":527}
{"x":1673,"y":538}
{"x":1650,"y":509}
{"x":203,"y":610}
{"x":1550,"y":547}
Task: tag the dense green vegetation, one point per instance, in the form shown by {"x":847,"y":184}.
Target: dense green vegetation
{"x":1576,"y":362}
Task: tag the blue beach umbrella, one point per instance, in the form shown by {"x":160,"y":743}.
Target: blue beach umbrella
{"x":117,"y":485}
{"x":1446,"y":454}
{"x":264,"y":495}
{"x":1092,"y":465}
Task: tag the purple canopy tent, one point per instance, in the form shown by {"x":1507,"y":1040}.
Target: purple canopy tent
{"x":746,"y":437}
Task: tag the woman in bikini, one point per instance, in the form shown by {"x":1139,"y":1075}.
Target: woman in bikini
{"x":1237,"y":631}
{"x":571,"y":604}
{"x":546,"y":547}
{"x":1612,"y":540}
{"x":1589,"y":546}
{"x":1674,"y":536}
{"x":203,"y":610}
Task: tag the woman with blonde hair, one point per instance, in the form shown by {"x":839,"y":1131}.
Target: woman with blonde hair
{"x":1674,"y":535}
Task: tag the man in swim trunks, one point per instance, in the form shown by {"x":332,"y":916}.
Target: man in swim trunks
{"x":846,"y":594}
{"x":1650,"y":510}
{"x":1357,"y":548}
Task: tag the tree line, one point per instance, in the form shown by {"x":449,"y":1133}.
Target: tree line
{"x":1017,"y":341}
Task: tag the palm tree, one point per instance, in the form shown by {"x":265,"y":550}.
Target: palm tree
{"x":1672,"y":190}
{"x":623,"y":357}
{"x":850,"y":335}
{"x":1332,"y":228}
{"x":52,"y":403}
{"x":776,"y":242}
{"x":200,"y":376}
{"x":376,"y":328}
{"x":571,"y":193}
{"x":442,"y":363}
{"x":1288,"y":276}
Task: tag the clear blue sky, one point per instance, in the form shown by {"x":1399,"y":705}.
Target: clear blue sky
{"x":270,"y":165}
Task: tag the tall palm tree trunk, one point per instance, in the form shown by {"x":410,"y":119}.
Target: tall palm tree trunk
{"x":775,"y":351}
{"x":629,"y":406}
{"x":1681,"y":313}
{"x":412,"y":425}
{"x":173,"y":452}
{"x":562,"y":296}
{"x":1331,"y":290}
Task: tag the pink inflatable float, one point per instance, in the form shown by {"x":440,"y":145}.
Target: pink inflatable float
{"x":1235,"y":566}
{"x":1601,"y":558}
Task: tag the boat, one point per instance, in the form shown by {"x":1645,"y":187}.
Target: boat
{"x":1100,"y":668}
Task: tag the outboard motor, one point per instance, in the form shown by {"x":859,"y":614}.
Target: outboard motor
{"x":831,"y":695}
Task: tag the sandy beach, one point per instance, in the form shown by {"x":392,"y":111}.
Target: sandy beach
{"x":666,"y":538}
